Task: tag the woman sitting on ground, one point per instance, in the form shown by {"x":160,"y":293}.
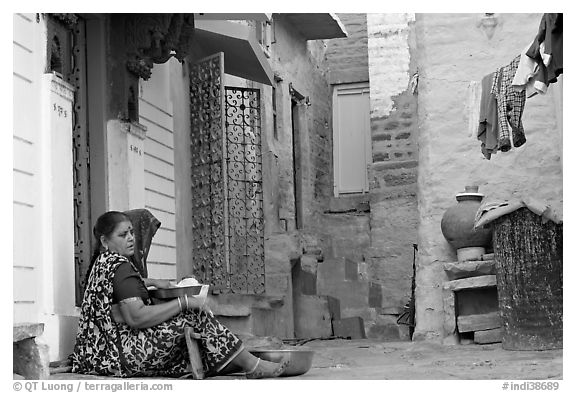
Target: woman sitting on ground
{"x":122,"y":333}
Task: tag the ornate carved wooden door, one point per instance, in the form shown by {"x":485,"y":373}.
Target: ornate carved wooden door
{"x":227,"y":211}
{"x":67,"y":56}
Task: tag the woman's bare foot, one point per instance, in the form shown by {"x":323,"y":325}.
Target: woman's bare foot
{"x":266,"y":369}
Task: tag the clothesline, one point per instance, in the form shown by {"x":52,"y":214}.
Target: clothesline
{"x":505,"y":90}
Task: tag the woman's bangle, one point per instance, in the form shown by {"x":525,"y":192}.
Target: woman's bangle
{"x":179,"y":303}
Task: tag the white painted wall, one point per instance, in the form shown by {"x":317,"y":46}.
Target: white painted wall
{"x":157,"y":115}
{"x":27,"y":170}
{"x":43,"y":215}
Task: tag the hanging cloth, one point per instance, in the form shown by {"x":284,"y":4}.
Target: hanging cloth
{"x":547,"y":46}
{"x":488,"y":128}
{"x":531,"y":75}
{"x":510,"y":104}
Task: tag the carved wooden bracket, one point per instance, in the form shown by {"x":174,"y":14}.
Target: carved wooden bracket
{"x":154,"y":38}
{"x":68,"y":20}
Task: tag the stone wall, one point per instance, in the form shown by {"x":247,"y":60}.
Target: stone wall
{"x":393,"y":173}
{"x":367,"y":239}
{"x":302,"y":65}
{"x":348,"y":58}
{"x":454,"y":50}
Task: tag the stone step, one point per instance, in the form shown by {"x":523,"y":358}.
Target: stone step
{"x":247,"y":314}
{"x":349,"y":327}
{"x":351,"y":294}
{"x":312,"y":316}
{"x":386,"y":328}
{"x":30,"y":354}
{"x":490,"y":336}
{"x":473,"y":323}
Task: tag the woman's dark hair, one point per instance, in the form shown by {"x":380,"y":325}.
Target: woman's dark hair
{"x":105,"y":225}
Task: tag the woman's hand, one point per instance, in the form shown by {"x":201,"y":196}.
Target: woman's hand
{"x":193,"y":303}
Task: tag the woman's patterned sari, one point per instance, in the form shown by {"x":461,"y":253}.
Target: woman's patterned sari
{"x":104,"y":347}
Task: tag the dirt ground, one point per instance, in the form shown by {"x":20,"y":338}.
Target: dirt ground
{"x":368,"y":359}
{"x":376,"y":360}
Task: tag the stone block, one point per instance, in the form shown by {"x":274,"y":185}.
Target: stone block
{"x":333,"y":307}
{"x":472,"y":282}
{"x":374,"y":295}
{"x":266,"y":322}
{"x":350,"y":270}
{"x":458,"y":270}
{"x":312,"y":317}
{"x":329,"y":272}
{"x":349,"y":327}
{"x":488,"y":336}
{"x":352,"y":294}
{"x":386,"y":319}
{"x":309,"y":262}
{"x":31,"y":359}
{"x":473,"y":323}
{"x":307,"y":283}
{"x":391,"y":310}
{"x":389,"y":332}
{"x":303,"y":281}
{"x":277,"y":284}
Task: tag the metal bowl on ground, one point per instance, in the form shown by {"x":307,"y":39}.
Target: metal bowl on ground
{"x":300,"y":360}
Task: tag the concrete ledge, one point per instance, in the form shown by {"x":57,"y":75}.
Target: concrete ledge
{"x":458,"y":270}
{"x":472,"y":282}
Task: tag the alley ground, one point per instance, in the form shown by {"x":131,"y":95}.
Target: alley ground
{"x":377,"y":360}
{"x":367,"y":359}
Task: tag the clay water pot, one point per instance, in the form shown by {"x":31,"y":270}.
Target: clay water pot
{"x":458,"y":226}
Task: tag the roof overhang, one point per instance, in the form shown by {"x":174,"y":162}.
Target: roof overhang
{"x":260,"y":17}
{"x":317,"y":26}
{"x":243,"y":56}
